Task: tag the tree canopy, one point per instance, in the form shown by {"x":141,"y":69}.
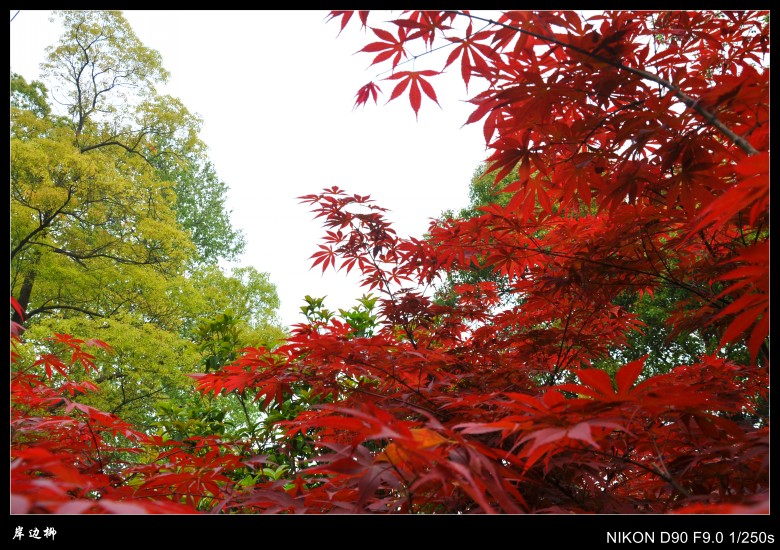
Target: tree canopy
{"x":118,"y":218}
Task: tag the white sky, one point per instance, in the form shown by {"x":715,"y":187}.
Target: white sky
{"x":276,"y":90}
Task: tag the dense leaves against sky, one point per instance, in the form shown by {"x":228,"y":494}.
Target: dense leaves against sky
{"x":638,"y":154}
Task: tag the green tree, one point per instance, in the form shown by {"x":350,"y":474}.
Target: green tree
{"x":200,"y":207}
{"x":90,"y":232}
{"x":83,"y":194}
{"x":248,"y":293}
{"x":29,"y":97}
{"x":101,"y":243}
{"x":106,"y":79}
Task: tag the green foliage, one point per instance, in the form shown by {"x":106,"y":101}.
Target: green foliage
{"x":248,"y":293}
{"x":29,"y":97}
{"x":483,"y":190}
{"x":200,"y":207}
{"x":110,"y":80}
{"x":147,"y":367}
{"x":104,"y":77}
{"x":118,"y":219}
{"x":80,"y":221}
{"x":218,"y":340}
{"x":197,"y":417}
{"x":664,"y":349}
{"x":361,"y":317}
{"x":315,"y":312}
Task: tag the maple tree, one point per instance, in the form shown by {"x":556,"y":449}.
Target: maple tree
{"x":653,"y":310}
{"x":638,"y":148}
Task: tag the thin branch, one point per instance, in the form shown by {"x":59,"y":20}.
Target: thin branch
{"x":414,"y":58}
{"x":127,"y":401}
{"x":43,"y":309}
{"x":557,"y":369}
{"x":42,"y":226}
{"x":95,"y":442}
{"x":117,"y":143}
{"x":94,"y":254}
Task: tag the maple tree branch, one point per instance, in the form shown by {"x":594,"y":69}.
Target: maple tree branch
{"x":661,"y":258}
{"x":603,"y":121}
{"x":95,"y":442}
{"x":394,"y":377}
{"x":759,"y":229}
{"x":440,"y":415}
{"x":557,"y":369}
{"x":645,"y":467}
{"x":406,"y":483}
{"x":569,"y":491}
{"x":665,"y":471}
{"x":707,"y":244}
{"x":689,"y":102}
{"x":538,"y":248}
{"x":249,"y":423}
{"x":383,"y":279}
{"x":583,"y":324}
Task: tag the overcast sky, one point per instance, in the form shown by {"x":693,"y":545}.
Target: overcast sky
{"x":276,"y":91}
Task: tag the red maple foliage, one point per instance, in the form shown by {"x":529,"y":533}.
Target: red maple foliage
{"x":640,"y":144}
